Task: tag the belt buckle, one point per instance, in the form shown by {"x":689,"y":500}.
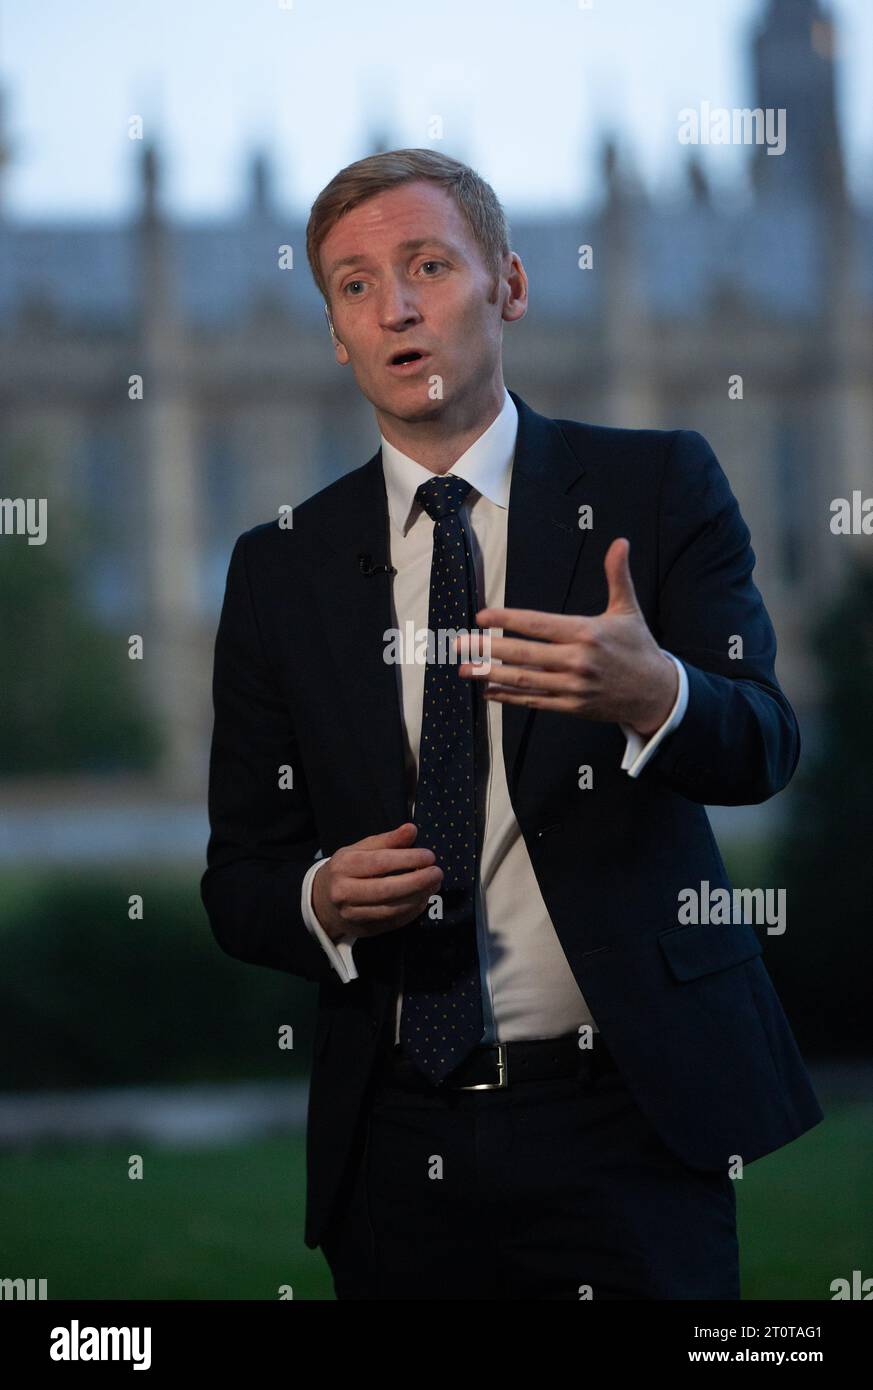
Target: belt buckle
{"x":502,"y":1081}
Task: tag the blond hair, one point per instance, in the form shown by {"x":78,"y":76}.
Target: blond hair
{"x":367,"y":177}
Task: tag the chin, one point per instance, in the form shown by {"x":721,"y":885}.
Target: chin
{"x":406,"y":404}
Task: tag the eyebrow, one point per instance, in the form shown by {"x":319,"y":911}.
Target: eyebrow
{"x":413,"y":245}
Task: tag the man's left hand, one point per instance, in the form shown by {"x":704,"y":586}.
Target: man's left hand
{"x":608,"y":667}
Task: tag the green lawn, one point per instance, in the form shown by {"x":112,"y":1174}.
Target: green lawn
{"x":228,"y":1223}
{"x":204,"y":1223}
{"x":805,"y":1214}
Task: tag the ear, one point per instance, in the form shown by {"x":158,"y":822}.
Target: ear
{"x":341,"y":355}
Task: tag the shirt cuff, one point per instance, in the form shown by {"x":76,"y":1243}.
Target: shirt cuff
{"x":638,"y":751}
{"x":338,"y":952}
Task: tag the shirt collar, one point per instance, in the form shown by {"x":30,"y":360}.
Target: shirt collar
{"x":486,"y":465}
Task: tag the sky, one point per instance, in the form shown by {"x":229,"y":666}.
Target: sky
{"x":525,"y":89}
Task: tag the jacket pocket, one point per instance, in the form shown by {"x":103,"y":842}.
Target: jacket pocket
{"x":696,"y":950}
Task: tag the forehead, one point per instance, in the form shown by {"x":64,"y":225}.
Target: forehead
{"x":414,"y":211}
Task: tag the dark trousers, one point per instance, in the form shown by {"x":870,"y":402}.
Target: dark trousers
{"x":549,"y":1189}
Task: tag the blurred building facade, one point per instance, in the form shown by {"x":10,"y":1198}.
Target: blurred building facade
{"x":245,"y":411}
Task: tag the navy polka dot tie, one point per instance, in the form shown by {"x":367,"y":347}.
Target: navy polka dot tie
{"x":441,"y":1018}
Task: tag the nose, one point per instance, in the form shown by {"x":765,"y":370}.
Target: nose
{"x":397,"y":305}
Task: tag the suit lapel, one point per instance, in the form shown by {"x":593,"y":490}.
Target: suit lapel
{"x":543,"y":545}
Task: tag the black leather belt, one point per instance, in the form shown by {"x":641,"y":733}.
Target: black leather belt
{"x":498,"y":1066}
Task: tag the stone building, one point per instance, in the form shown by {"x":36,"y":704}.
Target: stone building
{"x":244,"y":409}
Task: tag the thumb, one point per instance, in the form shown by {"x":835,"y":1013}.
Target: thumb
{"x":388,"y":839}
{"x":622,"y":595}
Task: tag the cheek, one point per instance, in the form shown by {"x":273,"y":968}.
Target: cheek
{"x":470,"y":326}
{"x":364,"y":352}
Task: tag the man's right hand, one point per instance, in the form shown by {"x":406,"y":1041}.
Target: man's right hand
{"x":375,"y":885}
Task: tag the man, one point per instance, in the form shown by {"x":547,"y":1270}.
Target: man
{"x":533,"y":1077}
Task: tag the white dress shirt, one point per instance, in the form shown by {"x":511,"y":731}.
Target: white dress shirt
{"x":528,"y":988}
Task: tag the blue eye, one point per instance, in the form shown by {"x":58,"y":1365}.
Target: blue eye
{"x":353,"y":282}
{"x":424,"y":263}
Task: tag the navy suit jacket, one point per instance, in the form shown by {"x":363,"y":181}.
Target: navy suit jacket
{"x":689,"y":1012}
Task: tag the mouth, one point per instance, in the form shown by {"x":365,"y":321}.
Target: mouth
{"x":406,"y":362}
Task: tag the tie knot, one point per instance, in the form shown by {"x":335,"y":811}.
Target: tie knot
{"x":441,"y":496}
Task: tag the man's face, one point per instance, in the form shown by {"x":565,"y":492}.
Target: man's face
{"x":404,"y":272}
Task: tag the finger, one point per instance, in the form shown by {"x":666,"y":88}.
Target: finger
{"x":560,"y":704}
{"x":401,"y":914}
{"x":523,"y":678}
{"x":360,"y":892}
{"x":546,"y":656}
{"x":530,"y":622}
{"x":378,"y":863}
{"x":622,"y":594}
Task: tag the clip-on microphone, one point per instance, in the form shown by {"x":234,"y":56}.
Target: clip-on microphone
{"x":367,"y":568}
